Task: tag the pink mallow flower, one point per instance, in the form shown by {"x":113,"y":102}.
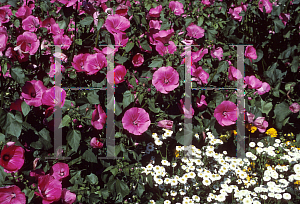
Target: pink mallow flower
{"x":136,"y":121}
{"x":196,"y":56}
{"x":50,"y":189}
{"x":195,"y":31}
{"x":266,"y":4}
{"x":116,"y":24}
{"x":67,"y":196}
{"x":162,"y":50}
{"x":176,"y":7}
{"x":261,"y":124}
{"x":78,"y":62}
{"x":168,"y":124}
{"x":163,"y":36}
{"x":250,"y":117}
{"x":94,"y":63}
{"x":253,"y":82}
{"x":265,"y":87}
{"x":60,"y":170}
{"x":27,"y":43}
{"x":32,"y":92}
{"x":236,"y":11}
{"x":200,"y":76}
{"x":226,"y":113}
{"x":98,"y":117}
{"x":187,"y":113}
{"x":138,"y":60}
{"x":155,"y":12}
{"x":165,"y":79}
{"x":12,"y":195}
{"x":120,"y":39}
{"x":95,"y":143}
{"x":5,"y":14}
{"x":50,"y":97}
{"x":30,"y":24}
{"x":16,"y":105}
{"x":23,"y":12}
{"x":295,"y":107}
{"x":3,"y":39}
{"x":63,"y":40}
{"x":285,"y":17}
{"x":201,"y":103}
{"x":217,"y":53}
{"x":51,"y":73}
{"x":234,"y":74}
{"x":250,"y":53}
{"x":12,"y":157}
{"x":117,"y":75}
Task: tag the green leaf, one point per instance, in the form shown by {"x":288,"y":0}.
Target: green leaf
{"x":89,"y":156}
{"x":86,"y":21}
{"x":288,"y":85}
{"x":13,"y":124}
{"x":278,"y":25}
{"x":140,"y":190}
{"x":295,"y":64}
{"x":128,"y":98}
{"x":259,"y":54}
{"x":65,"y":121}
{"x":100,"y":23}
{"x":122,"y":188}
{"x":78,"y":41}
{"x":2,"y":138}
{"x":129,"y":46}
{"x":18,"y":75}
{"x":25,"y":108}
{"x":200,"y":20}
{"x":118,"y":109}
{"x":4,"y":69}
{"x":156,"y":62}
{"x":266,"y":107}
{"x":188,"y":21}
{"x":2,"y":175}
{"x":144,"y":44}
{"x":149,"y":180}
{"x":223,"y":66}
{"x":121,"y":59}
{"x":151,"y":105}
{"x":165,"y":25}
{"x":92,"y":178}
{"x":281,"y":112}
{"x":93,"y":98}
{"x":185,"y":136}
{"x":73,"y":138}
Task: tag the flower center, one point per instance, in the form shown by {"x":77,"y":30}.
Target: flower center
{"x":13,"y":195}
{"x":62,"y":173}
{"x":135,"y":122}
{"x":6,"y":157}
{"x":33,"y":94}
{"x":224,"y":113}
{"x":166,"y":81}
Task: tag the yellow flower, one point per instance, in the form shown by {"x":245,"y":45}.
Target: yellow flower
{"x":176,"y":153}
{"x":272,"y":132}
{"x":297,"y":182}
{"x":253,"y":129}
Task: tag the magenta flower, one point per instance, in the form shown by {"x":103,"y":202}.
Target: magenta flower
{"x":253,"y":82}
{"x":167,"y":124}
{"x":56,"y":30}
{"x":94,"y":63}
{"x":235,"y":13}
{"x":95,"y":143}
{"x":165,"y":79}
{"x":196,"y":56}
{"x":250,"y":117}
{"x":78,"y":62}
{"x":138,"y":60}
{"x":121,"y":10}
{"x":217,"y":53}
{"x":250,"y":53}
{"x":226,"y":113}
{"x":3,"y":38}
{"x":201,"y":103}
{"x":162,"y":50}
{"x":176,"y":7}
{"x":32,"y":92}
{"x":12,"y":195}
{"x":187,"y":113}
{"x":285,"y":17}
{"x":60,"y":170}
{"x":98,"y":117}
{"x":27,"y":43}
{"x":16,"y":105}
{"x":261,"y":124}
{"x":265,"y":87}
{"x":234,"y":74}
{"x":120,"y":39}
{"x":117,"y":75}
{"x":136,"y":121}
{"x":12,"y":157}
{"x":62,"y":40}
{"x":23,"y":12}
{"x":195,"y":31}
{"x":295,"y":107}
{"x":51,"y":73}
{"x":67,"y":196}
{"x":30,"y":24}
{"x":51,"y":99}
{"x":200,"y":76}
{"x":116,"y":24}
{"x":5,"y":14}
{"x":163,"y":36}
{"x":47,"y":23}
{"x":266,"y":4}
{"x":155,"y":12}
{"x":50,"y":189}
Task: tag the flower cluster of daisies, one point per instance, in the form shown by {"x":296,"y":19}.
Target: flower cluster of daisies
{"x":268,"y":172}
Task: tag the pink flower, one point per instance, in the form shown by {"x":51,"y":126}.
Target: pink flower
{"x":200,"y":76}
{"x":78,"y":62}
{"x":95,"y":143}
{"x":266,"y":4}
{"x":67,"y":196}
{"x":138,"y":60}
{"x":27,"y":43}
{"x":295,"y":107}
{"x":5,"y":14}
{"x":176,"y":7}
{"x":187,"y":113}
{"x":12,"y":195}
{"x":50,"y":189}
{"x":168,"y":124}
{"x":285,"y":17}
{"x":12,"y":157}
{"x":60,"y":170}
{"x":16,"y":105}
{"x":23,"y":12}
{"x":51,"y":73}
{"x":120,"y":39}
{"x":265,"y":87}
{"x":154,"y":24}
{"x":155,"y":12}
{"x":136,"y":121}
{"x":162,"y":50}
{"x":196,"y":56}
{"x":116,"y":24}
{"x":94,"y":63}
{"x":217,"y":53}
{"x":117,"y":75}
{"x":201,"y":103}
{"x":68,"y":3}
{"x":55,"y":29}
{"x":163,"y":36}
{"x":235,"y":13}
{"x":195,"y":31}
{"x":226,"y":113}
{"x":165,"y":79}
{"x":32,"y":92}
{"x":250,"y":117}
{"x":47,"y":23}
{"x":234,"y":74}
{"x":98,"y":117}
{"x":62,"y":40}
{"x":30,"y":23}
{"x":51,"y":99}
{"x":208,"y":2}
{"x":3,"y":39}
{"x":122,"y":10}
{"x":253,"y":82}
{"x":250,"y":53}
{"x":261,"y":124}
